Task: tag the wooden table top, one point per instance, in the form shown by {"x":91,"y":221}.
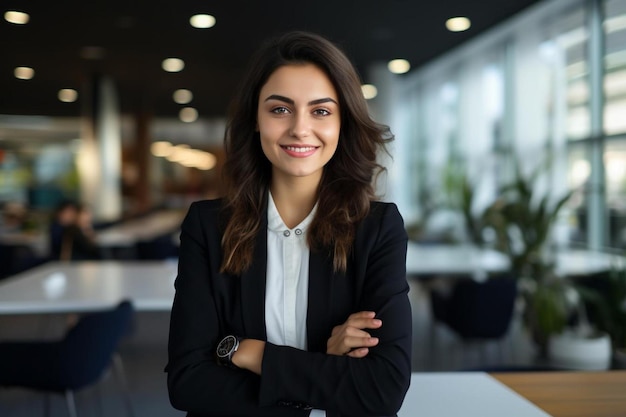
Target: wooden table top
{"x":572,"y":394}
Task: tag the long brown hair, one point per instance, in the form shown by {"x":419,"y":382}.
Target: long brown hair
{"x":346,"y":189}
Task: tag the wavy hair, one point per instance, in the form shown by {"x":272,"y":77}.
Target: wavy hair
{"x":346,"y":188}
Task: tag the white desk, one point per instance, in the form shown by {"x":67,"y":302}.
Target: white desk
{"x":145,"y":228}
{"x":59,"y":287}
{"x":469,"y":394}
{"x":467,"y":259}
{"x":453,"y":260}
{"x":36,"y":241}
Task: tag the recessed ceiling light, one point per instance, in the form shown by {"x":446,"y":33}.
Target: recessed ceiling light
{"x":68,"y":95}
{"x":206,"y":161}
{"x":183,"y":96}
{"x":161,"y":148}
{"x":195,"y":158}
{"x":173,"y":64}
{"x":24,"y":73}
{"x":458,"y":24}
{"x":179,"y":152}
{"x":18,"y":18}
{"x":369,"y":91}
{"x":188,"y":114}
{"x":202,"y":21}
{"x":399,"y":66}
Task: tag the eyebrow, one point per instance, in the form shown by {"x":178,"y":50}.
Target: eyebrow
{"x":310,"y":103}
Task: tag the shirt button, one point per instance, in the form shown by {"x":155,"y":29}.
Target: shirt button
{"x":286,"y":233}
{"x":298,"y":232}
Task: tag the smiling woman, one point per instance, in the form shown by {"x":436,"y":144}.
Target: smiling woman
{"x":291,"y":297}
{"x":299,"y":123}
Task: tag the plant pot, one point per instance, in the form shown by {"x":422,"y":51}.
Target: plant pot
{"x":619,"y":357}
{"x":587,"y":351}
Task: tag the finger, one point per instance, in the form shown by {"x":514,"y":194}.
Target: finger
{"x":354,"y":332}
{"x":358,"y":353}
{"x":357,"y":324}
{"x":364,"y":323}
{"x":362,"y":314}
{"x":344,"y":346}
{"x":350,"y":342}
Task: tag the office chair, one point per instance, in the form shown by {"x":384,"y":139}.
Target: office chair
{"x":477,"y":311}
{"x":72,"y":363}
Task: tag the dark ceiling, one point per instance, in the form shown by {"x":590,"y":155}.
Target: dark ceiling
{"x":136,"y":35}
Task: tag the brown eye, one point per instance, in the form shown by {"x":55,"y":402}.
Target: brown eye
{"x":321,"y":112}
{"x":280,"y":110}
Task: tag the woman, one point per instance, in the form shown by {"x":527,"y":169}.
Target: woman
{"x":291,"y":297}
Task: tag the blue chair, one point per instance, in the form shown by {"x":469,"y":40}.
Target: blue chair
{"x":477,"y":311}
{"x":72,"y":363}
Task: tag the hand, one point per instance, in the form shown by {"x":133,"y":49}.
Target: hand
{"x":350,"y":339}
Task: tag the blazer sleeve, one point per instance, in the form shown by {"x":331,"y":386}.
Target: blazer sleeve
{"x":195,"y":382}
{"x":376,"y":384}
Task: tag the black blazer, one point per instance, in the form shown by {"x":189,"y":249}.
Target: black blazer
{"x":209,"y":305}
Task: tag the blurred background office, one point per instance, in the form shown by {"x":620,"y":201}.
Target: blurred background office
{"x":120,"y":106}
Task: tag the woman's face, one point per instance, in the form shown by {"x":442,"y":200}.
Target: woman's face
{"x":298,"y":120}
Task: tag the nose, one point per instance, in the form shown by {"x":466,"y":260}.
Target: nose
{"x":300,"y":126}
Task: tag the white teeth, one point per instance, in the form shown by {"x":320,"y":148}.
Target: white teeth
{"x":299,"y":149}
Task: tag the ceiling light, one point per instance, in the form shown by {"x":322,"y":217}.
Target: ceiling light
{"x":161,"y":148}
{"x":188,"y":115}
{"x":179,"y":153}
{"x":183,"y":96}
{"x":399,"y":66}
{"x":24,"y":73}
{"x":207,"y":161}
{"x":19,"y":18}
{"x":202,"y":21}
{"x":173,"y":64}
{"x":369,"y":91}
{"x":458,"y":24}
{"x":68,"y":95}
{"x":195,"y":158}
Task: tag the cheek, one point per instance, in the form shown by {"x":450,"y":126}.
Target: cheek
{"x":265,"y":146}
{"x":331,"y":136}
{"x":269,"y":129}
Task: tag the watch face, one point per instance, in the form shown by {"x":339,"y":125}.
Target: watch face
{"x":226,"y":346}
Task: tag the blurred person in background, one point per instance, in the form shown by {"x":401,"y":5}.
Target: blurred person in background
{"x":71,"y":233}
{"x":81,"y":238}
{"x":13,"y":217}
{"x":64,"y":217}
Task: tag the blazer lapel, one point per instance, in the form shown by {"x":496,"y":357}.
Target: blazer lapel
{"x":320,"y":299}
{"x":253,"y":289}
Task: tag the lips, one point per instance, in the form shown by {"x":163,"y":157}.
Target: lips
{"x":299,"y":151}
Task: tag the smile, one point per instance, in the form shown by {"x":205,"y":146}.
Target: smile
{"x":299,"y":149}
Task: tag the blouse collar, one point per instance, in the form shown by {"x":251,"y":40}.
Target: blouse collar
{"x":275,"y":222}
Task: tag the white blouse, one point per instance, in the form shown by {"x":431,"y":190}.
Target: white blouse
{"x":287,"y":282}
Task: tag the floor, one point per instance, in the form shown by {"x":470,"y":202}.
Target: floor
{"x":144,"y":356}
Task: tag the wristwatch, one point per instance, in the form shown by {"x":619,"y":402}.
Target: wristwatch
{"x":226,"y":348}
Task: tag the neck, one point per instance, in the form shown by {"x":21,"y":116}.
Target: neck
{"x":294,"y":198}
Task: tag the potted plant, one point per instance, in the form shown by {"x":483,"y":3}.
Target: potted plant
{"x":610,"y":305}
{"x":520,"y":221}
